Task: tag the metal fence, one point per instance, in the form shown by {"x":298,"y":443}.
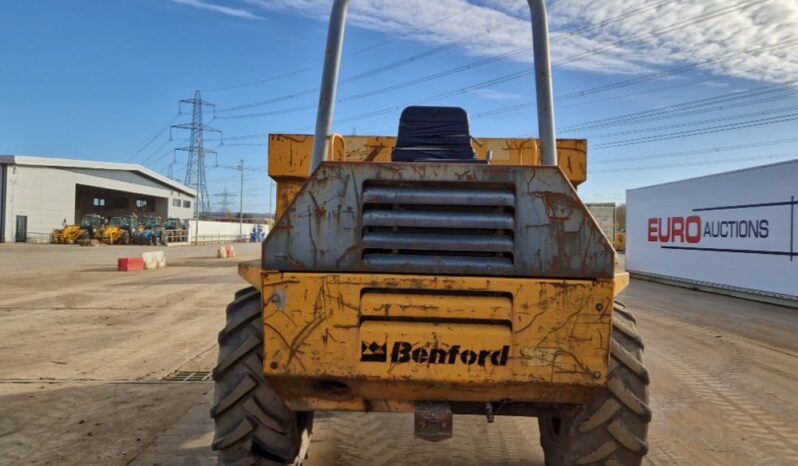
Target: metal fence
{"x":218,"y":239}
{"x":173,"y":238}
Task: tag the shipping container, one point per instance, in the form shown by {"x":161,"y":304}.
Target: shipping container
{"x":604,"y":213}
{"x":732,"y":231}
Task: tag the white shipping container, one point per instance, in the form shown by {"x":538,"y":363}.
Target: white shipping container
{"x":734,"y":230}
{"x":604,"y":213}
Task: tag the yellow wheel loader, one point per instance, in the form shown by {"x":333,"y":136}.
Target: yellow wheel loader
{"x":435,"y":274}
{"x":67,"y":235}
{"x":70,"y":234}
{"x":119,"y":230}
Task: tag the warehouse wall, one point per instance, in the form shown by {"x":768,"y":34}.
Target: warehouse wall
{"x":46,"y":195}
{"x":3,"y":202}
{"x":180,"y":206}
{"x":42,"y":194}
{"x":735,"y":230}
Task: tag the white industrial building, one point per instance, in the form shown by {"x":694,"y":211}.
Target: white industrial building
{"x":38,"y":194}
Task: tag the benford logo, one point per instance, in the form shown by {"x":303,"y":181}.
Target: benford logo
{"x":373,"y":352}
{"x":405,"y":352}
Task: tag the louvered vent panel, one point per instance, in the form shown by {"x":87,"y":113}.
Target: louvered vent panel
{"x":449,"y":226}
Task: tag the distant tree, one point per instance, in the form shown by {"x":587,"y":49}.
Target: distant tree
{"x":620,"y":216}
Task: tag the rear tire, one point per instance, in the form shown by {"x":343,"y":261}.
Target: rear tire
{"x":612,"y":429}
{"x":253,"y":425}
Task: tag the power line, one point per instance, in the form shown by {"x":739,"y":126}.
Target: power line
{"x":506,"y":78}
{"x":686,"y":108}
{"x":244,"y":144}
{"x":503,"y":78}
{"x":230,"y":167}
{"x":156,"y":151}
{"x":692,"y":164}
{"x":689,"y":124}
{"x":703,"y":17}
{"x":314,"y":90}
{"x":169,"y":151}
{"x":459,"y":69}
{"x":703,"y":151}
{"x":636,"y":80}
{"x":154,"y":137}
{"x":700,"y":131}
{"x":383,"y":43}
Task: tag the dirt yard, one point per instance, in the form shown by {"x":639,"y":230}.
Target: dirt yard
{"x":99,"y":367}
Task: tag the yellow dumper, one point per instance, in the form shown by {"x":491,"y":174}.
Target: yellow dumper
{"x":434,"y":274}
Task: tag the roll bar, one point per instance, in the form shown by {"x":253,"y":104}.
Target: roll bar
{"x":332,"y":67}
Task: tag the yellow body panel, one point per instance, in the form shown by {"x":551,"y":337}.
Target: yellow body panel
{"x":289,"y":157}
{"x":111,"y":235}
{"x":380,"y":342}
{"x":620,"y":241}
{"x":68,"y":235}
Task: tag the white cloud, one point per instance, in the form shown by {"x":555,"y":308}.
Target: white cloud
{"x":645,"y":40}
{"x":493,"y":94}
{"x":225,"y":10}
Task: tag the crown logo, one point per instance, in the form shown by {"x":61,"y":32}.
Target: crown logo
{"x":373,"y":352}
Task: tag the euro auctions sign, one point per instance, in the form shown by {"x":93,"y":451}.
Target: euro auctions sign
{"x":693,"y":229}
{"x":735,"y":230}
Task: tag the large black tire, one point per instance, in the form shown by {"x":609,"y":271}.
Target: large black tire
{"x":253,"y":425}
{"x":611,"y":430}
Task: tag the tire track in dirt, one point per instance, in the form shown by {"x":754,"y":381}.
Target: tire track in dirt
{"x":378,"y":439}
{"x":767,"y":437}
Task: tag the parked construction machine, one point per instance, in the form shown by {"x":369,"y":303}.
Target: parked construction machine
{"x":434,"y":274}
{"x":150,"y":231}
{"x":620,"y":239}
{"x":175,"y":231}
{"x":70,"y":234}
{"x":119,"y":230}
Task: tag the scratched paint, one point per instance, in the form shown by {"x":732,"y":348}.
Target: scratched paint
{"x":556,"y":332}
{"x":552,"y":234}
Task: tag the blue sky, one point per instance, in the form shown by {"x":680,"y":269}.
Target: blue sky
{"x":99,"y":79}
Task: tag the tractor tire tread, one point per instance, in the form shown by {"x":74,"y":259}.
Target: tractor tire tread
{"x":253,"y":425}
{"x":612,"y":429}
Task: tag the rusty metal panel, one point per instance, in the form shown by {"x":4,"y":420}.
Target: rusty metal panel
{"x":400,"y":337}
{"x":289,"y":157}
{"x":552,"y":235}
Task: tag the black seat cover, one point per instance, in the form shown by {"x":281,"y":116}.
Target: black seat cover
{"x":433,"y":134}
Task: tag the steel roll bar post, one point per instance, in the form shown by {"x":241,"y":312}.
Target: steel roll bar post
{"x":332,"y":66}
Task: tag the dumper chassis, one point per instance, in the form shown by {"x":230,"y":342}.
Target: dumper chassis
{"x":433,"y":274}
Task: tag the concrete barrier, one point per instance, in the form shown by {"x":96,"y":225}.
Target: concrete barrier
{"x":153,"y":260}
{"x":130,"y":264}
